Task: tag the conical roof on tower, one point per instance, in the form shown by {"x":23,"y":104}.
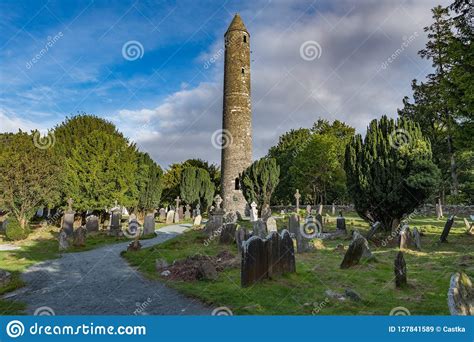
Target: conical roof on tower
{"x":237,"y":25}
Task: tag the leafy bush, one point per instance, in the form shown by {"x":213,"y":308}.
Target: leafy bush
{"x":15,"y":232}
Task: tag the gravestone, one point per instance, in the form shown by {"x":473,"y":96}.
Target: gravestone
{"x":469,"y":226}
{"x":241,"y":235}
{"x":353,"y":254}
{"x":181,"y":212}
{"x":417,"y":238}
{"x":319,"y":222}
{"x":115,"y":222}
{"x":227,"y":236}
{"x":170,"y":217}
{"x":302,"y":242}
{"x":366,"y":252}
{"x":461,"y":295}
{"x":68,"y":222}
{"x":271,"y":225}
{"x":149,"y":224}
{"x":267,"y":258}
{"x":187,"y":213}
{"x":294,"y":224}
{"x":447,"y":229}
{"x":253,"y":212}
{"x":92,"y":223}
{"x":197,"y":220}
{"x":333,"y":210}
{"x":400,"y":269}
{"x":80,"y":237}
{"x":198,"y":209}
{"x":63,"y":241}
{"x":308,"y":210}
{"x":176,"y":216}
{"x":162,"y":214}
{"x":341,"y":222}
{"x":259,"y":228}
{"x":216,"y":219}
{"x":320,"y":210}
{"x":297,"y":197}
{"x":373,"y":229}
{"x":405,"y":239}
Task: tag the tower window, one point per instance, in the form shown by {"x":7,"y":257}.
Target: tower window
{"x":243,"y":71}
{"x":245,"y":38}
{"x":237,"y":184}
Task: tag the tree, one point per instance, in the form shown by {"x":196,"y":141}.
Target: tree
{"x":212,"y":169}
{"x":317,"y":171}
{"x":30,"y":175}
{"x":196,"y":186}
{"x":149,"y":183}
{"x":101,"y":169}
{"x":289,"y":146}
{"x":390,"y":172}
{"x":259,"y":181}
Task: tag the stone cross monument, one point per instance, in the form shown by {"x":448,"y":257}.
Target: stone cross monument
{"x":237,"y":115}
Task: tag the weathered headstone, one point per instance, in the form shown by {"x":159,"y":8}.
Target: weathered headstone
{"x":405,"y":240}
{"x":253,"y":212}
{"x":259,"y":228}
{"x":461,"y":295}
{"x":228,"y":233}
{"x":80,"y":237}
{"x":197,"y":220}
{"x":417,"y":238}
{"x":176,"y":217}
{"x":400,"y":269}
{"x":92,"y":223}
{"x":68,"y":223}
{"x":366,"y":252}
{"x":373,"y":229}
{"x":241,"y":235}
{"x":447,"y":229}
{"x":353,"y":254}
{"x":271,"y":225}
{"x":341,"y":222}
{"x":333,"y":210}
{"x":187,"y":213}
{"x":297,"y":197}
{"x":267,"y":258}
{"x":297,"y":230}
{"x":162,"y":214}
{"x":149,"y":224}
{"x":63,"y":241}
{"x":308,"y":210}
{"x":116,"y":223}
{"x":293,"y":224}
{"x":170,"y":217}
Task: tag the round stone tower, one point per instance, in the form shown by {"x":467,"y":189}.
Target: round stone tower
{"x":237,"y":115}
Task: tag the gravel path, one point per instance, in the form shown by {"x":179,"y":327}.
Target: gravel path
{"x":100,"y":282}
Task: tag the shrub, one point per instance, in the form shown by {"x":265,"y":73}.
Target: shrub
{"x":15,"y":232}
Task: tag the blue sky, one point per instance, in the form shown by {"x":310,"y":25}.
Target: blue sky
{"x":169,"y":101}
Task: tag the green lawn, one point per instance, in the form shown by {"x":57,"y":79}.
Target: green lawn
{"x":303,"y":293}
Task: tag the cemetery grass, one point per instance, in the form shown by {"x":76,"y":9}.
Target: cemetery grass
{"x":303,"y":293}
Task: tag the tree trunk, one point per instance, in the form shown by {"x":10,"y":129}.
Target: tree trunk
{"x":454,"y":175}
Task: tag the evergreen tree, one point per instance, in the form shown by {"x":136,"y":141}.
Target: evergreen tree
{"x":149,"y":183}
{"x":196,"y":186}
{"x":259,"y":181}
{"x":30,"y":175}
{"x":390,"y":172}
